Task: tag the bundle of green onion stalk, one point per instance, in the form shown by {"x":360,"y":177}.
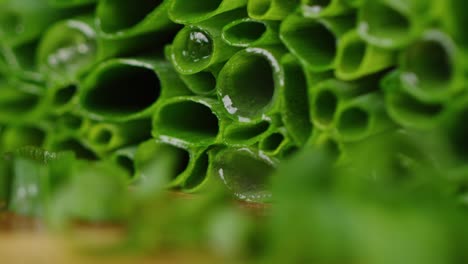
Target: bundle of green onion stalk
{"x":348,"y":119}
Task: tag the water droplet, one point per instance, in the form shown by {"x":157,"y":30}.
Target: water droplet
{"x":198,"y":47}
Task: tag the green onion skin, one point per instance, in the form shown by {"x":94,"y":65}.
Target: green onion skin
{"x":199,"y":46}
{"x":362,"y":117}
{"x":123,"y":19}
{"x":245,"y":172}
{"x":271,"y":9}
{"x":408,"y":111}
{"x":25,"y":20}
{"x":189,"y":121}
{"x":29,"y":190}
{"x":315,"y":41}
{"x":70,"y":3}
{"x":105,"y":93}
{"x":125,"y":159}
{"x":189,"y":12}
{"x":21,"y":99}
{"x":432,"y":68}
{"x":357,"y":59}
{"x":393,"y":24}
{"x":63,"y":142}
{"x":248,"y":32}
{"x":251,"y":82}
{"x":239,"y":134}
{"x":454,"y":20}
{"x":295,"y":109}
{"x":103,"y":138}
{"x":18,"y":60}
{"x":276,"y":142}
{"x":160,"y":164}
{"x":67,"y":50}
{"x":201,"y":83}
{"x":326,"y":96}
{"x":316,"y":8}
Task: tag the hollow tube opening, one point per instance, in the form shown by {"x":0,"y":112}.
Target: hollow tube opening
{"x":353,"y":121}
{"x":313,"y":42}
{"x":245,"y":32}
{"x":457,"y":135}
{"x":384,"y":22}
{"x":64,"y":95}
{"x":123,"y":89}
{"x":199,"y":172}
{"x":242,"y":133}
{"x":249,"y":87}
{"x":200,"y":83}
{"x":428,"y":65}
{"x":259,"y":8}
{"x":126,"y":163}
{"x":102,"y":137}
{"x":71,"y":121}
{"x":353,"y":55}
{"x":188,"y":120}
{"x":325,"y":106}
{"x":272,"y":142}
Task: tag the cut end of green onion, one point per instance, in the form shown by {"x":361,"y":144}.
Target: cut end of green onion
{"x":258,"y":8}
{"x":67,"y":48}
{"x":192,"y":50}
{"x":352,"y":57}
{"x":187,"y":120}
{"x":64,"y":95}
{"x":383,"y":25}
{"x":247,"y":85}
{"x":242,"y":133}
{"x":324,"y":107}
{"x":242,"y":33}
{"x":245,"y":173}
{"x":428,"y":66}
{"x":311,"y":41}
{"x":120,"y":90}
{"x":272,"y":142}
{"x":353,"y":122}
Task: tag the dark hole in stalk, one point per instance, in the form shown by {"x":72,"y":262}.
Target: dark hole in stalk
{"x":123,"y":89}
{"x":245,"y":32}
{"x":353,"y":55}
{"x":431,"y":64}
{"x":102,"y":137}
{"x":246,"y":132}
{"x":64,"y":95}
{"x":319,"y":3}
{"x":189,"y":120}
{"x":259,"y":7}
{"x":199,"y":172}
{"x":325,"y":106}
{"x":272,"y":142}
{"x":250,"y":85}
{"x":383,"y":21}
{"x":74,"y":145}
{"x":353,"y":121}
{"x":72,"y":121}
{"x":313,"y":42}
{"x":126,"y":163}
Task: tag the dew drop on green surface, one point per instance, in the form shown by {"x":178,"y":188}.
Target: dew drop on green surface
{"x":198,"y":47}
